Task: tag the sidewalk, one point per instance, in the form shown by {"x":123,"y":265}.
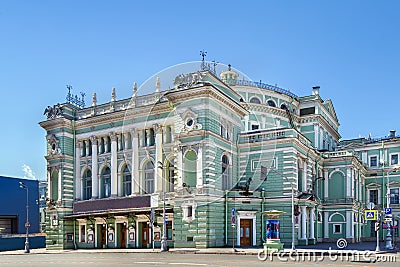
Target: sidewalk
{"x":318,"y":249}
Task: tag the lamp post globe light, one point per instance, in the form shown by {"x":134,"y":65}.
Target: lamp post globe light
{"x":164,"y":228}
{"x":27,"y":225}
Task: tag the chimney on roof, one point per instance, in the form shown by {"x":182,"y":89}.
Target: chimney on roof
{"x":315,"y":90}
{"x":392,"y":134}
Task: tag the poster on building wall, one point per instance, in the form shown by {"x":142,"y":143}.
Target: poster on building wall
{"x":272,"y":231}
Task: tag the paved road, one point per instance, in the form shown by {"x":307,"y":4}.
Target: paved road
{"x":168,"y":259}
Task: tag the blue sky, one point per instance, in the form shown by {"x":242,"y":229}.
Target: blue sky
{"x":349,"y":48}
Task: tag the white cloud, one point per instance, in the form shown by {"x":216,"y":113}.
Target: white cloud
{"x":29,"y":174}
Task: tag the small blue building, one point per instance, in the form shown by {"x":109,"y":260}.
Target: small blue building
{"x":13,"y":207}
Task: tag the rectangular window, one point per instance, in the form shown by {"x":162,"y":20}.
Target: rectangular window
{"x":394,"y":159}
{"x":254,"y":127}
{"x":394,"y":196}
{"x":307,"y":111}
{"x":373,"y":196}
{"x":189,"y":211}
{"x":373,"y":161}
{"x":337,"y":228}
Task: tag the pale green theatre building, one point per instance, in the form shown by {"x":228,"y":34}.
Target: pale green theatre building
{"x":214,"y":145}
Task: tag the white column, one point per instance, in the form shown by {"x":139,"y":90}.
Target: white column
{"x":158,"y":173}
{"x":59,"y":184}
{"x":78,"y":182}
{"x":316,"y":131}
{"x":180,"y":166}
{"x":87,"y":147}
{"x":147,"y":137}
{"x":114,"y":167}
{"x":126,"y":141}
{"x":326,"y":224}
{"x":326,"y":184}
{"x":135,"y":162}
{"x":303,"y":222}
{"x":321,"y":138}
{"x":304,"y":178}
{"x":199,"y":166}
{"x":348,"y":182}
{"x":312,"y":223}
{"x":95,"y":171}
{"x":246,"y":123}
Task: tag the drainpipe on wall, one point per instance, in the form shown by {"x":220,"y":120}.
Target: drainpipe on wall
{"x":226,"y":217}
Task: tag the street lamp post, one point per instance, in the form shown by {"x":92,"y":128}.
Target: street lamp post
{"x":164,"y":229}
{"x":27,"y":225}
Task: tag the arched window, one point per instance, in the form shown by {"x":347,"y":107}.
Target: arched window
{"x":126,"y":181}
{"x":255,"y":100}
{"x":225,"y":173}
{"x":149,"y":178}
{"x":190,"y":168}
{"x":106,"y":182}
{"x":271,"y":103}
{"x":87,"y":185}
{"x":283,"y":106}
{"x":170,"y":176}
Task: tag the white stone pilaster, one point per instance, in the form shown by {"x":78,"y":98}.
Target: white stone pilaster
{"x":316,"y":131}
{"x":59,"y":191}
{"x":180,"y":167}
{"x":78,"y":178}
{"x":158,"y":173}
{"x":95,"y":170}
{"x":349,"y":224}
{"x":326,"y":224}
{"x":199,"y":167}
{"x":135,"y":162}
{"x":304,"y":177}
{"x":114,"y":167}
{"x":312,"y":223}
{"x":348,"y":182}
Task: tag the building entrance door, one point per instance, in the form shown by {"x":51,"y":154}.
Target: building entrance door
{"x":145,"y":235}
{"x":123,"y":236}
{"x":103,"y":236}
{"x":246,"y":232}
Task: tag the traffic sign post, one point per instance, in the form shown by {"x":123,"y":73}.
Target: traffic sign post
{"x":370,"y":215}
{"x":388,"y":210}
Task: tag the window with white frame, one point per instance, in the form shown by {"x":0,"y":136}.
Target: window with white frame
{"x":337,"y":228}
{"x":373,"y":196}
{"x":394,"y":195}
{"x":373,"y":161}
{"x":394,"y":159}
{"x":188,"y":212}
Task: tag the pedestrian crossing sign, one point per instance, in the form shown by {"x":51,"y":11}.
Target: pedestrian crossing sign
{"x":370,"y":215}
